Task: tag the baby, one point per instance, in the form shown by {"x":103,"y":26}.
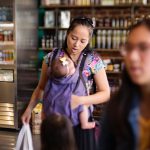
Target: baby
{"x":64,"y":67}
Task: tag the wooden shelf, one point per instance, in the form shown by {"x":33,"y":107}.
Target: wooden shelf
{"x":107,"y":50}
{"x":3,"y":43}
{"x":96,"y":28}
{"x":111,"y":28}
{"x":52,"y":28}
{"x":7,"y":66}
{"x":113,"y":72}
{"x":7,"y":28}
{"x":46,"y":49}
{"x":112,"y":57}
{"x":85,"y":6}
{"x":47,"y":28}
{"x":98,"y":50}
{"x":6,"y":25}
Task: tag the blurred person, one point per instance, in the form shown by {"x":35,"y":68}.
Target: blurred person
{"x":127,"y":120}
{"x":89,"y":67}
{"x":57,"y":133}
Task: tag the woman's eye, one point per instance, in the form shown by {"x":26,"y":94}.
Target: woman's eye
{"x":83,"y":42}
{"x":74,"y":38}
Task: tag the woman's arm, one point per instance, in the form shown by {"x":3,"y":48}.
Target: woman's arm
{"x":102,"y":95}
{"x":36,"y":94}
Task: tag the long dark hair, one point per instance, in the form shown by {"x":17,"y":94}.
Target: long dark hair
{"x":57,"y":133}
{"x":120,"y":105}
{"x":85,"y":21}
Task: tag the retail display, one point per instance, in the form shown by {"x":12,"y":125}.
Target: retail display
{"x":93,"y":2}
{"x":112,"y":20}
{"x":37,"y":118}
{"x":7,"y":64}
{"x":18,"y":54}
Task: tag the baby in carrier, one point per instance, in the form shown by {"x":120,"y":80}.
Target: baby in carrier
{"x":64,"y":67}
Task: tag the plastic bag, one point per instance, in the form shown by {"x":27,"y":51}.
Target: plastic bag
{"x":24,"y":141}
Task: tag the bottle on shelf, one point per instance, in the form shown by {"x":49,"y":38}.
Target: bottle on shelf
{"x":103,"y":39}
{"x":47,"y":41}
{"x":114,"y":37}
{"x":43,"y":42}
{"x":99,"y":32}
{"x":6,"y":56}
{"x":60,"y":35}
{"x":109,"y":40}
{"x":51,"y":42}
{"x":1,"y":35}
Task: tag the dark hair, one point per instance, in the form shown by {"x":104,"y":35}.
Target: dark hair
{"x":85,"y":21}
{"x":121,"y":103}
{"x":142,"y":22}
{"x":57,"y":133}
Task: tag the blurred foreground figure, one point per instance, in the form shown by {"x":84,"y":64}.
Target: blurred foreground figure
{"x":127,"y":119}
{"x":57,"y":133}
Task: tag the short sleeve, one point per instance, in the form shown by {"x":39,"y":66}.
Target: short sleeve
{"x":95,"y":63}
{"x":47,"y":58}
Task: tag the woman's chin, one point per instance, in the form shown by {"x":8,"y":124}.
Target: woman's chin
{"x":140,"y":80}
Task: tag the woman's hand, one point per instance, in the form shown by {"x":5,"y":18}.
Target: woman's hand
{"x":75,"y":101}
{"x":26,"y":116}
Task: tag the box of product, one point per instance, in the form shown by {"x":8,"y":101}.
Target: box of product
{"x":49,"y":20}
{"x":64,"y":19}
{"x":37,"y":118}
{"x":107,"y":2}
{"x":50,"y":2}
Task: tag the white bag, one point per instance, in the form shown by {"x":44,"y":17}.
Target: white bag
{"x":24,"y":141}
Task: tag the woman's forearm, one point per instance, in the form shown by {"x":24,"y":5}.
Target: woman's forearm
{"x":34,"y":98}
{"x":97,"y":98}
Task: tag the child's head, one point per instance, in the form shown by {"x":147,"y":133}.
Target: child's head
{"x":62,"y":67}
{"x":57,"y":133}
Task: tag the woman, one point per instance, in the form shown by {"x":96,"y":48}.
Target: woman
{"x":57,"y":133}
{"x":127,"y":121}
{"x":76,"y":47}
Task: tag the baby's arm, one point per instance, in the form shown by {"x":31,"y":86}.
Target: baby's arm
{"x":84,"y":116}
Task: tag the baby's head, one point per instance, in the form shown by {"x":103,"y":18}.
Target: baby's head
{"x":57,"y":133}
{"x":62,"y":67}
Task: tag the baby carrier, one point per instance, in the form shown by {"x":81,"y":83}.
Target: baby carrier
{"x":58,"y":91}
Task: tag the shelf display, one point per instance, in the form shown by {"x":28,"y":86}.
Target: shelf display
{"x":6,"y":75}
{"x":112,"y":20}
{"x":7,"y":65}
{"x":18,"y":57}
{"x":93,"y":2}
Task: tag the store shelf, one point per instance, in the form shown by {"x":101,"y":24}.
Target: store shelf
{"x":113,"y":57}
{"x":47,"y":28}
{"x":111,"y":28}
{"x":113,"y":72}
{"x":6,"y":24}
{"x":107,"y":50}
{"x":84,"y":6}
{"x":52,"y":28}
{"x":7,"y":66}
{"x":98,"y":50}
{"x":7,"y":43}
{"x":46,"y":49}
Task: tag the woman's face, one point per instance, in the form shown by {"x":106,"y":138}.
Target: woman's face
{"x":137,"y":58}
{"x":78,"y":39}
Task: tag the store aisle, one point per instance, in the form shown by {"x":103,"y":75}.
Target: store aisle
{"x":8,"y":140}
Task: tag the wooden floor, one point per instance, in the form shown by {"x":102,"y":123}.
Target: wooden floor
{"x":8,"y":140}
